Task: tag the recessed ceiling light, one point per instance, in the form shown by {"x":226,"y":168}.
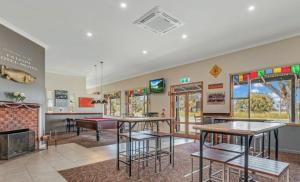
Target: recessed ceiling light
{"x":123,"y":5}
{"x":184,"y":36}
{"x":145,"y":52}
{"x":251,"y":8}
{"x":89,"y":34}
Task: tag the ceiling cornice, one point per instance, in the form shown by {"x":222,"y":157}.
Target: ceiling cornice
{"x":23,"y":33}
{"x":222,"y":53}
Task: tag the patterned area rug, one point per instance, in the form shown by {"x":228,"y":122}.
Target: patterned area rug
{"x":88,"y":138}
{"x":106,"y":171}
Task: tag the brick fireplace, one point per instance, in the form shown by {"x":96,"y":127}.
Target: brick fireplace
{"x":19,"y":128}
{"x":14,"y":116}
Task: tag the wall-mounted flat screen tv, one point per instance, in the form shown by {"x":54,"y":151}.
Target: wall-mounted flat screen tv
{"x":157,"y":85}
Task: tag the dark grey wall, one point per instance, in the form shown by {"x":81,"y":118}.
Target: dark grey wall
{"x":23,"y":49}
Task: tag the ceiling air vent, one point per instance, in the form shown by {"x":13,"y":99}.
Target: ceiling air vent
{"x":158,"y":21}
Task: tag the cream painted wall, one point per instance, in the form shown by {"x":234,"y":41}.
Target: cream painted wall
{"x":75,"y":85}
{"x":275,"y":54}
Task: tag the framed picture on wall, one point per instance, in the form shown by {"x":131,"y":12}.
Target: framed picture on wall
{"x":61,"y":98}
{"x":86,"y":102}
{"x":216,"y":98}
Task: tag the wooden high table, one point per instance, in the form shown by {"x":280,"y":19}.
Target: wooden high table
{"x":244,"y":129}
{"x":132,"y":123}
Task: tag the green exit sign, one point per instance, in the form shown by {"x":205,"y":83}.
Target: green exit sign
{"x":185,"y":80}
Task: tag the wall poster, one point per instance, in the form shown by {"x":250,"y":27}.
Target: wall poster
{"x":86,"y":102}
{"x":61,"y":98}
{"x":216,"y":98}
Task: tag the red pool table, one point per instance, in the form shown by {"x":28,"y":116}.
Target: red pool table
{"x":96,"y":124}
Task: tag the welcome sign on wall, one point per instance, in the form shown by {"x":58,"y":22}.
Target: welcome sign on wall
{"x":216,"y":98}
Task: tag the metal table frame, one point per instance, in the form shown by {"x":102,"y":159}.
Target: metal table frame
{"x":248,"y":140}
{"x":132,"y":123}
{"x":230,"y":119}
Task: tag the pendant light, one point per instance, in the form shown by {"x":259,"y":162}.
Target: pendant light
{"x":101,"y":99}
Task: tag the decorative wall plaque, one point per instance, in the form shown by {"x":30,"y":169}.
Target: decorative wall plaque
{"x":16,"y":75}
{"x":16,"y":67}
{"x":215,"y":71}
{"x":217,"y":98}
{"x":215,"y":86}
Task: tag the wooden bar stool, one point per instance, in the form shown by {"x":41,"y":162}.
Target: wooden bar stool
{"x":141,"y":152}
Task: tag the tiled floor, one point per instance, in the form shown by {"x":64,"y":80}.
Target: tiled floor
{"x":43,"y":165}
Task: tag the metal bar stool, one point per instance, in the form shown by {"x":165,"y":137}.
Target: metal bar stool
{"x":140,"y":149}
{"x":214,"y":156}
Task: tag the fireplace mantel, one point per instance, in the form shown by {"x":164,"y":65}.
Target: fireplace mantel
{"x":18,"y":105}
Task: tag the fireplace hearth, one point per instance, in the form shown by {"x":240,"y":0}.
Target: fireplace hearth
{"x":16,"y":142}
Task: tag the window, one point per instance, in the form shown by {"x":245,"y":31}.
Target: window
{"x":274,"y":96}
{"x":113,"y":106}
{"x":240,"y":100}
{"x":138,"y":105}
{"x":272,"y":99}
{"x":50,"y":101}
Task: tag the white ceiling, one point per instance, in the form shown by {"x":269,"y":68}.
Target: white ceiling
{"x":213,"y":27}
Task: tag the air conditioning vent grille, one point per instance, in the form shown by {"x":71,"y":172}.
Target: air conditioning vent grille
{"x":158,"y":21}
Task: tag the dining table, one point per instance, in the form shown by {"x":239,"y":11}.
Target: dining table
{"x":245,"y":129}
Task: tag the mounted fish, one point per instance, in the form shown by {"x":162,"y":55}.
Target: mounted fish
{"x":16,"y":75}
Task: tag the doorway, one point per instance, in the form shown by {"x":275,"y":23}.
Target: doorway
{"x":186,"y":108}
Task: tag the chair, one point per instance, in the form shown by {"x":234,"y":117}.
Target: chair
{"x":70,"y":123}
{"x":149,"y":125}
{"x":140,"y":149}
{"x":49,"y":138}
{"x":159,"y":136}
